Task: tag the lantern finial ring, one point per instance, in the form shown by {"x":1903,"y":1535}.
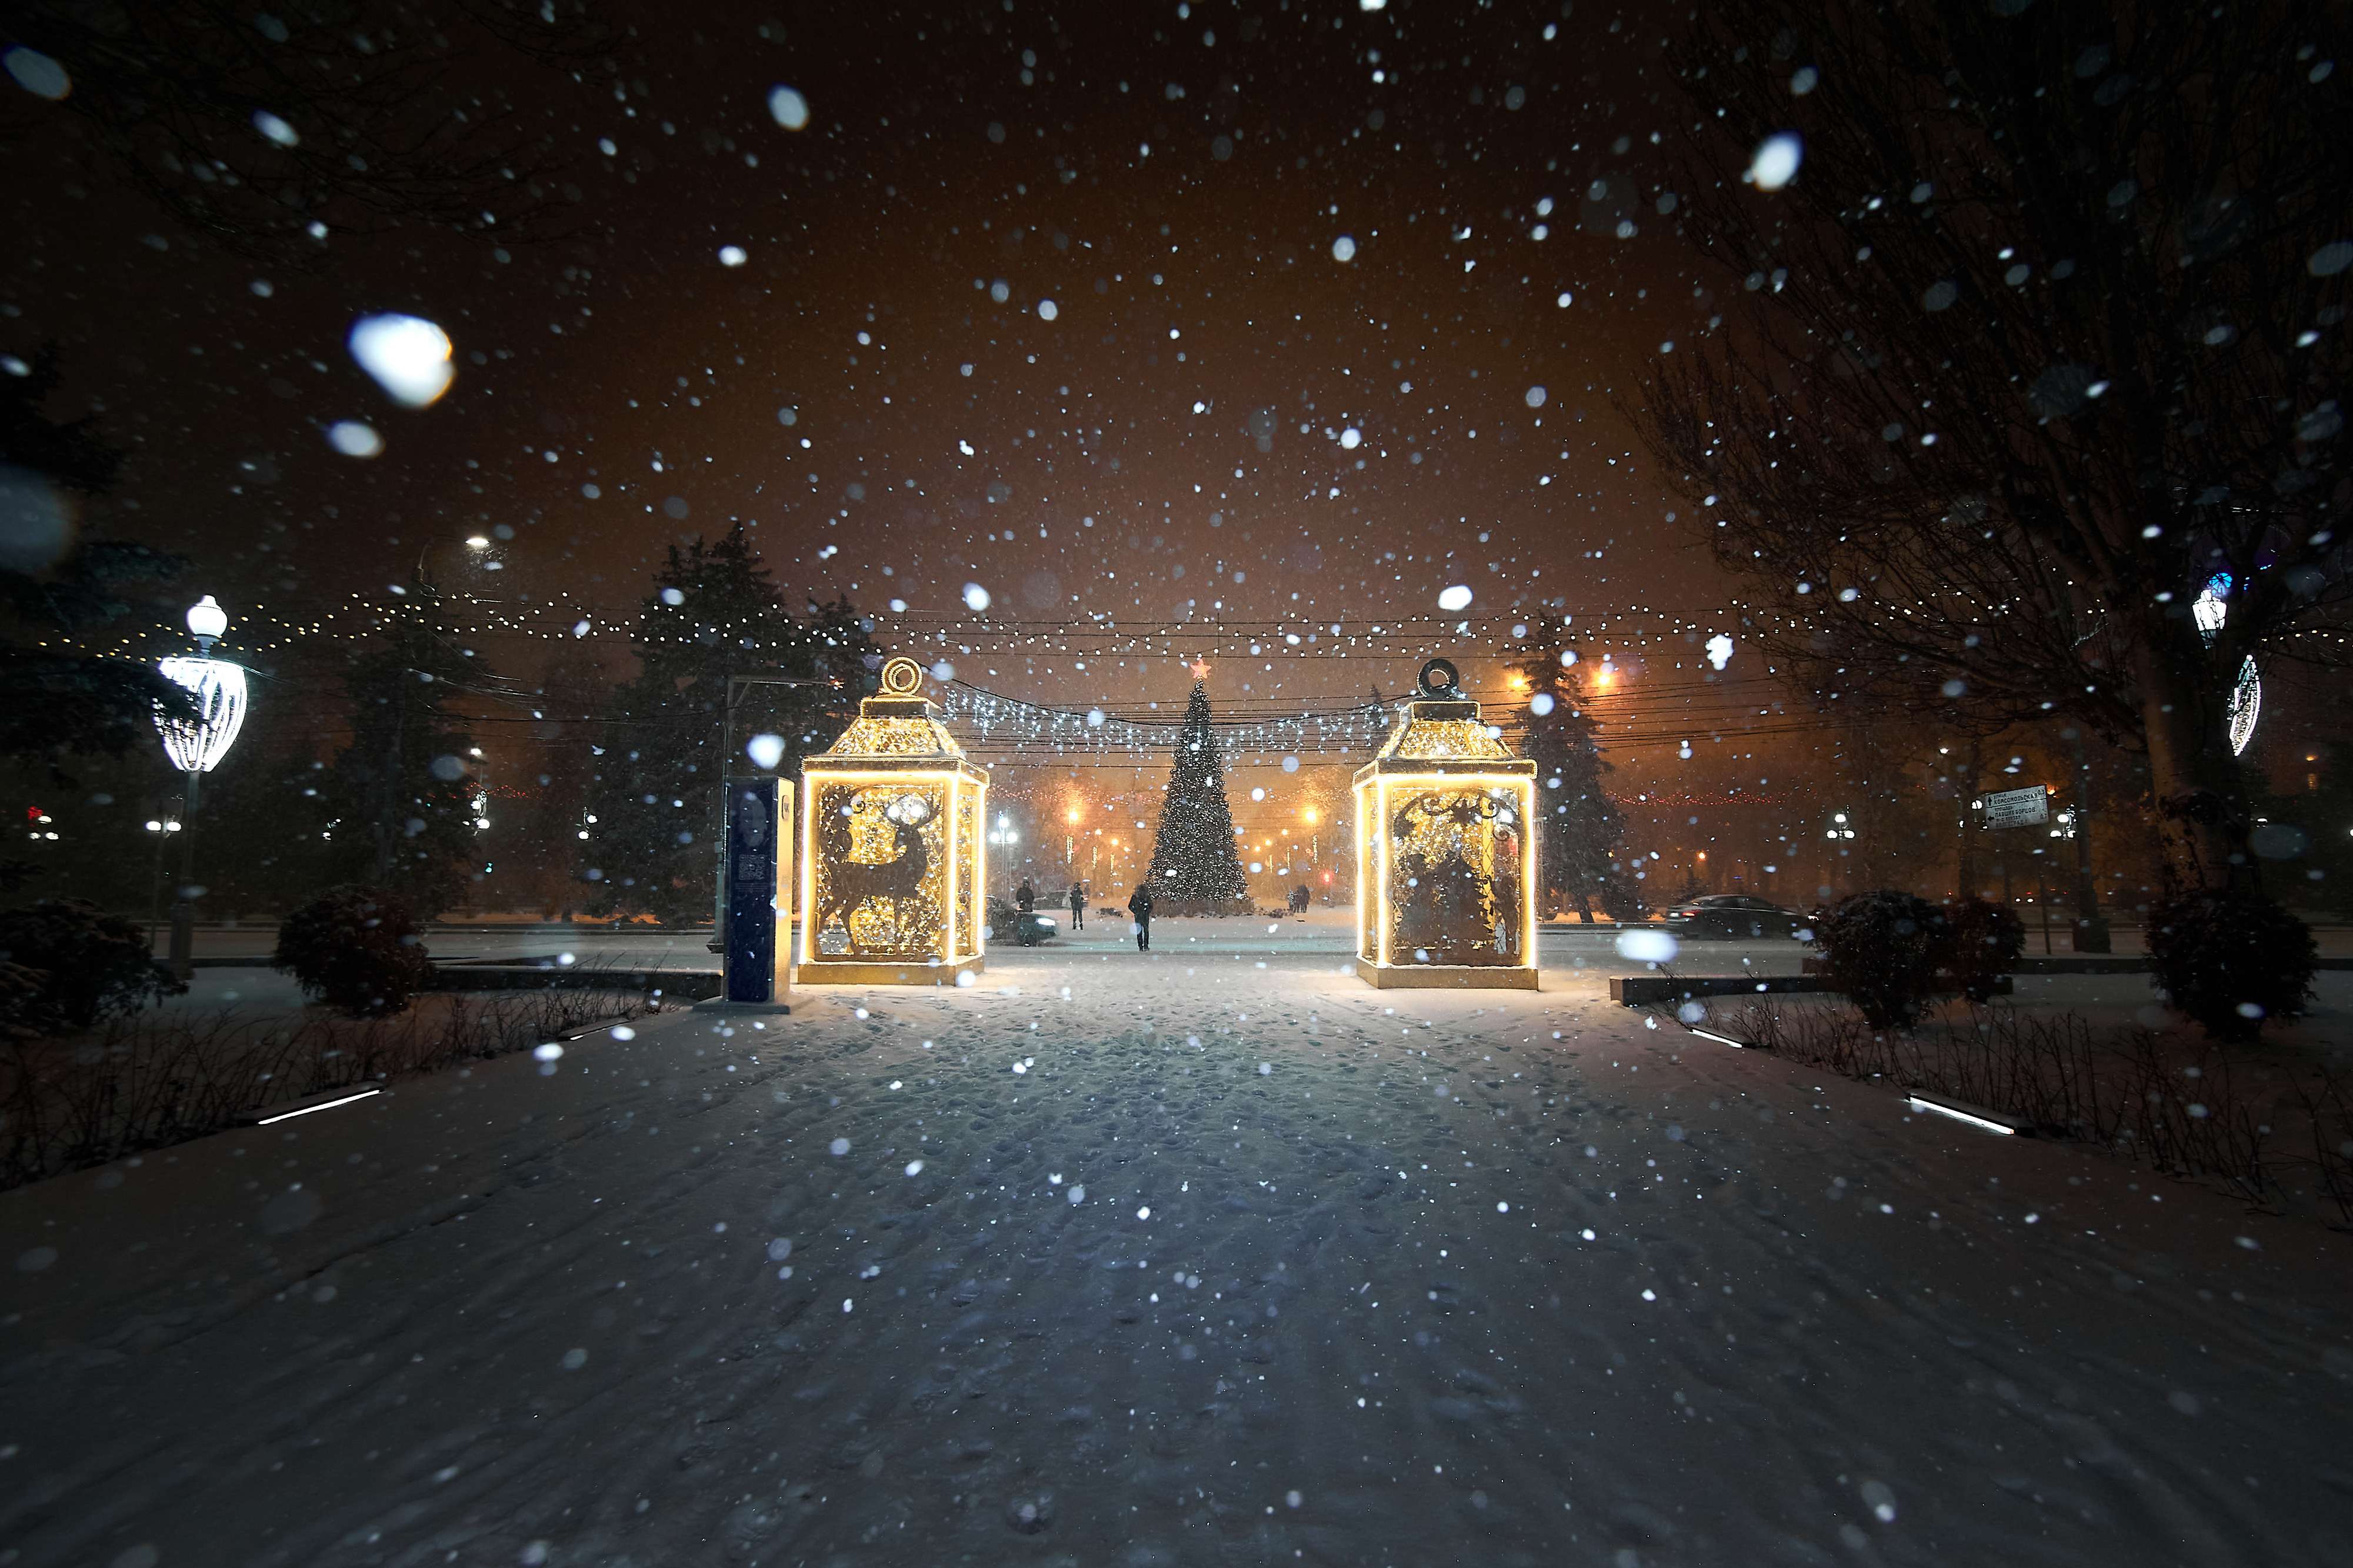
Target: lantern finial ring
{"x":902,"y":677}
{"x":1440,"y":679}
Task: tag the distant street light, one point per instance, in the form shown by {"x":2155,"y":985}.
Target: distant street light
{"x":195,"y":747}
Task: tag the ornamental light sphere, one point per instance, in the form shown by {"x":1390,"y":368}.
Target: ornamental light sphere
{"x":1446,"y":844}
{"x":893,"y":868}
{"x":218,"y":687}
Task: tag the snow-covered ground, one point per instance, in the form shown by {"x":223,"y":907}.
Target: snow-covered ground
{"x":1200,"y":1258}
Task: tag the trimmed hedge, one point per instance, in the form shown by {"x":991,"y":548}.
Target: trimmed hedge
{"x":1982,"y":943}
{"x":1891,"y":952}
{"x":1883,"y":950}
{"x":355,"y":949}
{"x":81,"y":965}
{"x":2230,"y":958}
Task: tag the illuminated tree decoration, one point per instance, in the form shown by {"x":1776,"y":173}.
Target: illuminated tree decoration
{"x":892,"y":874}
{"x":1445,"y":819}
{"x":2246,"y":699}
{"x":197,"y":746}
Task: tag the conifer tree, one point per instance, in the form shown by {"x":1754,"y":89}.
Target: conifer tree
{"x":1193,"y":867}
{"x":403,"y":790}
{"x":1579,"y":831}
{"x":714,"y":612}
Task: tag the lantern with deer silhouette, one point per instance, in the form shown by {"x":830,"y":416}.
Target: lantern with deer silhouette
{"x":892,"y":880}
{"x":1445,"y":819}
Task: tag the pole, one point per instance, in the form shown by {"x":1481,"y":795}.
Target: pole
{"x":718,"y":942}
{"x":2091,"y":926}
{"x":2042,"y":902}
{"x":155,"y":890}
{"x":184,"y":903}
{"x":1968,"y":864}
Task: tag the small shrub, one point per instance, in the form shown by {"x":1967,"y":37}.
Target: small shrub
{"x":1982,"y":943}
{"x":355,"y":949}
{"x":2230,"y":958}
{"x":1881,"y":950}
{"x":89,"y":966}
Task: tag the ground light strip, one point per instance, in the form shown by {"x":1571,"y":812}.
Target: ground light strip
{"x":288,"y":1115}
{"x":1971,"y":1118}
{"x":1915,"y":1101}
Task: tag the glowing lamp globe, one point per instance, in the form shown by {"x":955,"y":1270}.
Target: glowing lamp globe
{"x":1445,"y":840}
{"x":893,"y":867}
{"x":206,"y":621}
{"x":218,"y":688}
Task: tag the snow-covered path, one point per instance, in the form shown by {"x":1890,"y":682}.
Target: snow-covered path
{"x":1241,"y":1266}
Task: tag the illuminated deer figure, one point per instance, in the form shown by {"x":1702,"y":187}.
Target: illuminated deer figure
{"x":850,"y":884}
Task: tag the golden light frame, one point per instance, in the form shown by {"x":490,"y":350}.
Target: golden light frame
{"x":1446,"y":889}
{"x":893,"y":856}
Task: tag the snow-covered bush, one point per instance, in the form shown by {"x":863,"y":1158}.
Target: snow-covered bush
{"x":2230,"y":958}
{"x":82,"y":964}
{"x":1981,"y":943}
{"x":355,"y":949}
{"x":1881,"y":948}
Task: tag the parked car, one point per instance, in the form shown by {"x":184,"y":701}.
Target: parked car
{"x":1023,"y":928}
{"x":1732,"y":917}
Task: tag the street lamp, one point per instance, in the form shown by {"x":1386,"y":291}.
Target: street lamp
{"x":163,"y":828}
{"x":195,"y":747}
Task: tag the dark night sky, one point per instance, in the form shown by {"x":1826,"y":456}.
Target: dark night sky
{"x":1172,"y":178}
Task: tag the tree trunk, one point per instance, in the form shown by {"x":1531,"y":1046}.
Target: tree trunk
{"x":2091,"y":926}
{"x":2194,"y":784}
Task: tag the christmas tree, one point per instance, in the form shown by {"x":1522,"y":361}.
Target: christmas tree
{"x":716,"y":612}
{"x":1579,"y":831}
{"x":1194,"y":868}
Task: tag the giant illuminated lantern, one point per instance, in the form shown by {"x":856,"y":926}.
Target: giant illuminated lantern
{"x":1446,"y":889}
{"x":892,"y":870}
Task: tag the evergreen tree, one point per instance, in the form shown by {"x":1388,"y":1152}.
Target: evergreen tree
{"x":403,"y":790}
{"x":536,"y":824}
{"x":57,"y":589}
{"x":270,"y":821}
{"x":714,"y":613}
{"x":1579,"y":831}
{"x":1193,"y":867}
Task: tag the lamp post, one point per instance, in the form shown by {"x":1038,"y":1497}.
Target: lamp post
{"x":195,"y":747}
{"x":163,"y":828}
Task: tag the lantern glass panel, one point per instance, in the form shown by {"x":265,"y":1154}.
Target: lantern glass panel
{"x":882,"y":869}
{"x":1454,"y":874}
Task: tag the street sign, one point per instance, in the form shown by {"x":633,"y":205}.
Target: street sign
{"x":2028,"y":807}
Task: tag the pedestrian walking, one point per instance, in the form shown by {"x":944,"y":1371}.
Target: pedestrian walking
{"x":1139,"y":905}
{"x":1078,"y":906}
{"x":1025,"y":897}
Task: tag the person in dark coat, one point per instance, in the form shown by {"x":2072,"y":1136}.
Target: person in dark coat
{"x":1139,"y":904}
{"x":1025,"y":897}
{"x":1078,"y":906}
